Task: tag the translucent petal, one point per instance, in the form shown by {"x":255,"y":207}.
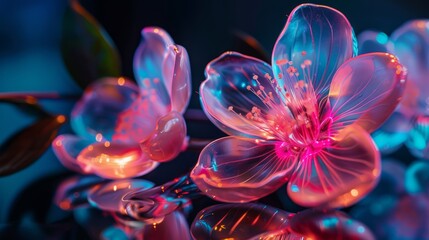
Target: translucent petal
{"x":166,"y":142}
{"x":173,"y":227}
{"x":177,"y":75}
{"x":393,"y":133}
{"x":328,"y":224}
{"x":153,"y":63}
{"x":338,"y":175}
{"x":67,"y":147}
{"x":108,"y":196}
{"x":95,"y":115}
{"x":115,"y":160}
{"x":372,"y":41}
{"x":239,"y":222}
{"x":417,"y":178}
{"x":365,"y":90}
{"x":73,"y":191}
{"x":238,"y":85}
{"x":317,"y":35}
{"x":138,"y":121}
{"x":233,"y":169}
{"x":418,"y":139}
{"x":410,"y":43}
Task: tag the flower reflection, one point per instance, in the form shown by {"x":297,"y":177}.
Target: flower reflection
{"x":124,"y":130}
{"x":399,"y":205}
{"x":409,"y":124}
{"x":257,"y":221}
{"x":305,"y":121}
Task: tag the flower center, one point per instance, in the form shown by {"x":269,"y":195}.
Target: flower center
{"x":293,"y":116}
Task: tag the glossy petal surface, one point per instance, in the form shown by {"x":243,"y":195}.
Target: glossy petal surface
{"x":73,"y":192}
{"x":236,"y":86}
{"x":339,"y":175}
{"x":165,"y":143}
{"x":365,"y":90}
{"x":173,"y":227}
{"x":418,"y":139}
{"x":67,"y":148}
{"x":149,"y":59}
{"x":115,"y":160}
{"x":393,"y":133}
{"x":108,"y":196}
{"x":417,"y":178}
{"x":177,"y":75}
{"x":410,"y":43}
{"x":316,"y":34}
{"x":328,"y":224}
{"x":372,"y":41}
{"x":95,"y":115}
{"x":239,"y":222}
{"x":233,"y":169}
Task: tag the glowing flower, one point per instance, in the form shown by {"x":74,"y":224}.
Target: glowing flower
{"x":410,"y":122}
{"x":305,"y":121}
{"x":124,"y":130}
{"x":257,"y":221}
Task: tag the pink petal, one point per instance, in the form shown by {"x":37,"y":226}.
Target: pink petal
{"x":67,"y":147}
{"x":173,"y":227}
{"x":366,"y":90}
{"x":320,"y":224}
{"x":240,"y":222}
{"x":177,"y":76}
{"x":72,"y":192}
{"x":339,"y":175}
{"x":317,"y":40}
{"x":138,"y":121}
{"x":115,"y":160}
{"x":108,"y":196}
{"x":233,"y":169}
{"x":237,"y":88}
{"x":153,"y":64}
{"x":410,"y":43}
{"x":166,"y":142}
{"x":372,"y":41}
{"x":95,"y":115}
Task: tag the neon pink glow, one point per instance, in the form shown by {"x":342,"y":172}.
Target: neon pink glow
{"x":122,"y":128}
{"x":306,"y":120}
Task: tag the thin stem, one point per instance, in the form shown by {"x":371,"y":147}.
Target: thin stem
{"x":39,"y":95}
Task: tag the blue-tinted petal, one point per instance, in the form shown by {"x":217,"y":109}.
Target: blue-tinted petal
{"x":67,"y":148}
{"x":418,"y":139}
{"x":410,"y":43}
{"x":372,"y":41}
{"x":315,"y":42}
{"x":393,"y":133}
{"x":95,"y":115}
{"x":237,"y":89}
{"x":417,"y":178}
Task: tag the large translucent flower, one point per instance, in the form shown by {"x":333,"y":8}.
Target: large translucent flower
{"x":410,"y":122}
{"x":124,"y":130}
{"x":305,"y":121}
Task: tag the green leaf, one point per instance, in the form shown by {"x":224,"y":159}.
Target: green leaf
{"x":87,"y":50}
{"x":28,"y":145}
{"x":27,"y":104}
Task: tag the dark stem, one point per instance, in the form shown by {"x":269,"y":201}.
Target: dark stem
{"x":196,"y":115}
{"x":197,"y":144}
{"x":39,"y":95}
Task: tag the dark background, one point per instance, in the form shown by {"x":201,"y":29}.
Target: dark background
{"x":30,"y":60}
